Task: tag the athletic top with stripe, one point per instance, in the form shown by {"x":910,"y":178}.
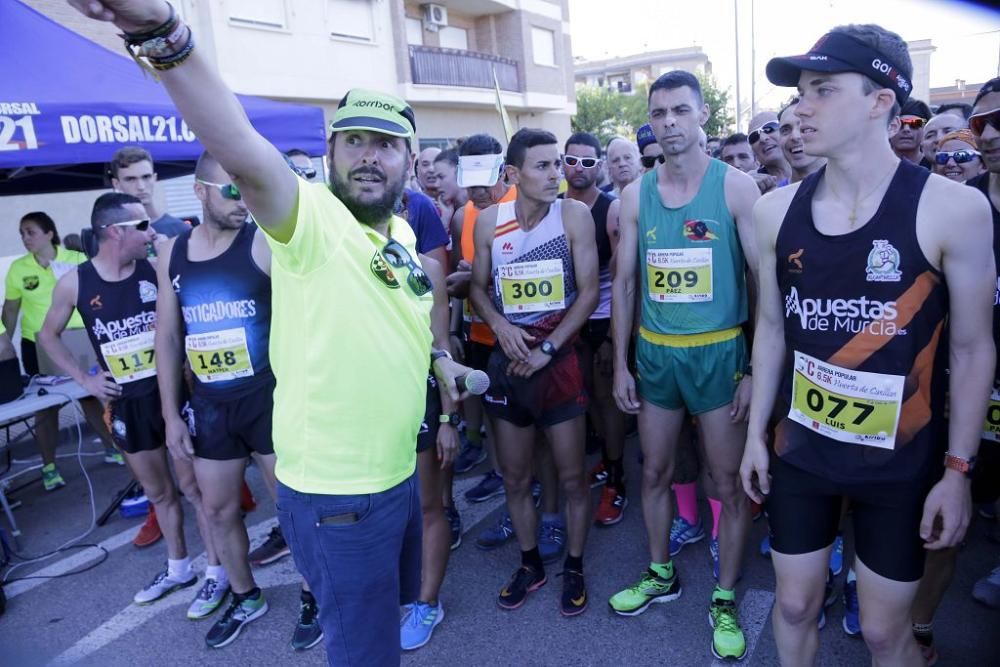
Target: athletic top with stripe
{"x":704,"y":223}
{"x":479,"y":331}
{"x":599,"y":212}
{"x":867,"y":301}
{"x":226,"y":304}
{"x":545,"y":242}
{"x":120,"y":318}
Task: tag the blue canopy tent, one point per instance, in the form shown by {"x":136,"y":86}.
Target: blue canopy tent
{"x":67,"y":104}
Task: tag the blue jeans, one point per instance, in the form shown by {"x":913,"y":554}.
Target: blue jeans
{"x":360,"y":556}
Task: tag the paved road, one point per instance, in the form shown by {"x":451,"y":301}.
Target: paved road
{"x":87,"y":619}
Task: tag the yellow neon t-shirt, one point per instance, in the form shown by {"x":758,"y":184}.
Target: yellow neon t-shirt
{"x":350,"y":348}
{"x":28,"y":281}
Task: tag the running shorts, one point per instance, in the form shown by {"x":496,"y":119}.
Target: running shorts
{"x":427,"y":436}
{"x":231,"y":429}
{"x":554,"y":394}
{"x":136,"y":423}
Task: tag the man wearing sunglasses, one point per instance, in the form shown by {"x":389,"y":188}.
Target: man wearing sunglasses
{"x":906,"y":143}
{"x":774,"y":171}
{"x":650,"y":152}
{"x":857,"y":277}
{"x":685,"y":246}
{"x":115,"y":293}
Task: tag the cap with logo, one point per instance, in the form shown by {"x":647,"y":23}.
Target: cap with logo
{"x":644,"y":136}
{"x":479,"y":170}
{"x":837,"y":52}
{"x":373,"y":111}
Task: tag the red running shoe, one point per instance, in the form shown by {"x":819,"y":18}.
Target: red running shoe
{"x":611,"y":508}
{"x":247,"y":502}
{"x":150,"y":532}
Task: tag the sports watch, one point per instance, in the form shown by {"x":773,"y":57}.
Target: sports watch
{"x":548,"y":348}
{"x":452,"y":418}
{"x":437,"y":354}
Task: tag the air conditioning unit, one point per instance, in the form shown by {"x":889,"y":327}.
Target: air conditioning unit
{"x":435,"y":15}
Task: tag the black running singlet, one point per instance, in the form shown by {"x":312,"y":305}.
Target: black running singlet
{"x":864,"y":314}
{"x":120,"y":318}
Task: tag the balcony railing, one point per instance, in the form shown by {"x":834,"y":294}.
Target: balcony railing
{"x":454,"y":67}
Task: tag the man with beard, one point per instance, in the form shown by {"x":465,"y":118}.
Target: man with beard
{"x":790,"y":140}
{"x":350,"y":334}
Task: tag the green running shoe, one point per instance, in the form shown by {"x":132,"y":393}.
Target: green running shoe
{"x":651,"y":588}
{"x":51,"y":478}
{"x":728,"y":641}
{"x":210,"y":596}
{"x":242,"y":610}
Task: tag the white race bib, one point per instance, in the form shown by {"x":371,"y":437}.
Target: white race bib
{"x":679,"y":275}
{"x":130,"y":359}
{"x":529,"y":287}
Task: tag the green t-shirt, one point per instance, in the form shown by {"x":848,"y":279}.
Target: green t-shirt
{"x":28,"y":281}
{"x":350,"y":348}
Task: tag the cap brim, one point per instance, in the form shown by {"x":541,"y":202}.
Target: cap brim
{"x":371,"y":124}
{"x":787,"y":71}
{"x":472,"y":178}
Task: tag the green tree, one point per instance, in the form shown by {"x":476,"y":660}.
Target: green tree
{"x":720,"y":121}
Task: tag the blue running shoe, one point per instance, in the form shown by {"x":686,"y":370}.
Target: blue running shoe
{"x":536,"y":492}
{"x":852,"y":610}
{"x":713,"y":548}
{"x":837,"y":555}
{"x":683,"y":533}
{"x":418,"y":623}
{"x":490,"y":486}
{"x":765,"y":546}
{"x":470,"y":456}
{"x":551,"y":540}
{"x":454,"y":526}
{"x":497,"y":536}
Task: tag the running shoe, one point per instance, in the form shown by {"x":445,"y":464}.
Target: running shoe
{"x":113,"y":457}
{"x":491,"y":538}
{"x":611,"y":508}
{"x":469,"y":457}
{"x":713,"y":550}
{"x":683,"y":533}
{"x":209,"y":597}
{"x":242,"y":610}
{"x":524,"y":581}
{"x":51,"y":478}
{"x":756,"y":511}
{"x":454,"y":525}
{"x":987,"y":589}
{"x":162,"y":586}
{"x":272,"y":550}
{"x":490,"y":486}
{"x":150,"y":533}
{"x":574,"y":593}
{"x":728,"y":641}
{"x":651,"y":588}
{"x":765,"y":546}
{"x":418,"y":623}
{"x":598,"y":475}
{"x":837,"y":555}
{"x":536,"y":492}
{"x":308,"y":632}
{"x":551,"y":539}
{"x":852,"y":610}
{"x":247,"y":502}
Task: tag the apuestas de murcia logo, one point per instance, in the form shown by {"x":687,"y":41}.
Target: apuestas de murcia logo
{"x":125,"y":327}
{"x":847,"y":315}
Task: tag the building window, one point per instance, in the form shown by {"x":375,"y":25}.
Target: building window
{"x":414,"y":31}
{"x":353,"y":19}
{"x":259,"y":13}
{"x":450,"y":37}
{"x":543,"y":46}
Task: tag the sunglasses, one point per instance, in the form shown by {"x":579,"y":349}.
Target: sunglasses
{"x":397,"y":256}
{"x":914,"y":123}
{"x":978,"y":122}
{"x":767,"y":128}
{"x":585,"y":162}
{"x":960,"y":157}
{"x":649,"y":161}
{"x":228,"y":190}
{"x":140,"y":225}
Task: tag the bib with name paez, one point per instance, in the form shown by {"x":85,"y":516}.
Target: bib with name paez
{"x":218,"y":356}
{"x":679,"y":275}
{"x":527,"y":287}
{"x":842,"y":404}
{"x":131,"y":358}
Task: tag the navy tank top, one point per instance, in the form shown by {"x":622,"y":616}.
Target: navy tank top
{"x":120,"y":319}
{"x":226,"y":304}
{"x":864,"y":318}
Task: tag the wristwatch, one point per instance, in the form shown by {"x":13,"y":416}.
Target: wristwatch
{"x":437,"y":354}
{"x":961,"y":464}
{"x":452,"y":418}
{"x":547,"y":348}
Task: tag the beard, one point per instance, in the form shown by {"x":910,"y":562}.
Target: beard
{"x":367,"y":212}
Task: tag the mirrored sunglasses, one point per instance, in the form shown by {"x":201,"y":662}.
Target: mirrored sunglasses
{"x":227,"y":190}
{"x":767,"y":128}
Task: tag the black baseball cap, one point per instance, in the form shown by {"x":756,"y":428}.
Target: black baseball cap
{"x":837,"y":52}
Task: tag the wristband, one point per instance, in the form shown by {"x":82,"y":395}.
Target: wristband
{"x":437,"y":354}
{"x":959,"y":463}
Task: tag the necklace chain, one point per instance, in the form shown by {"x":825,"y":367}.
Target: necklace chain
{"x":853,"y":217}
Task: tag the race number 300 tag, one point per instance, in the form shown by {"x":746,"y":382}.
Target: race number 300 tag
{"x":529,"y":287}
{"x":679,"y":275}
{"x":131,"y":358}
{"x":991,"y":428}
{"x":219,"y":356}
{"x":846,"y":405}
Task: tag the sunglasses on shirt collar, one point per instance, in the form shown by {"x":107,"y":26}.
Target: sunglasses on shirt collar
{"x":767,"y":128}
{"x":397,"y":256}
{"x":227,"y":190}
{"x":979,"y":121}
{"x":649,"y":161}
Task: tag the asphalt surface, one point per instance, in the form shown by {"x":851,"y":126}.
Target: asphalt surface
{"x":87,"y":618}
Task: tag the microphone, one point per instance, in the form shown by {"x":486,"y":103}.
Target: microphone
{"x":476,"y":383}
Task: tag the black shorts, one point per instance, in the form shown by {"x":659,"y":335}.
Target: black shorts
{"x":477,"y":355}
{"x":231,"y":429}
{"x":803,"y":512}
{"x":29,"y":356}
{"x":136,"y":423}
{"x":986,"y":474}
{"x":595,"y":333}
{"x":553,"y":395}
{"x":427,"y":437}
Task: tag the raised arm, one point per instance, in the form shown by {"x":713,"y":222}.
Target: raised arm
{"x":623,"y":297}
